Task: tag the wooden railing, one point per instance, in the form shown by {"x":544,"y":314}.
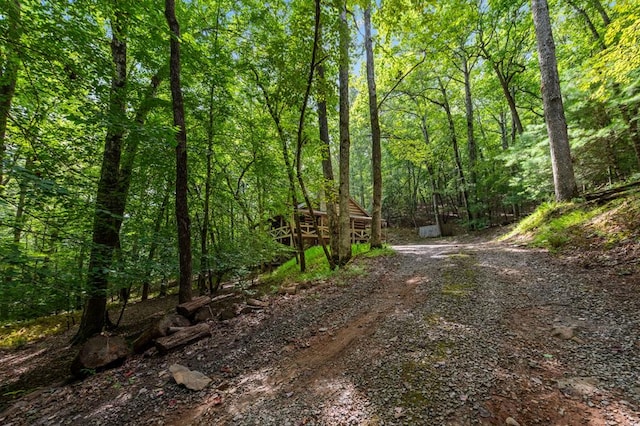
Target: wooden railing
{"x":358,"y":234}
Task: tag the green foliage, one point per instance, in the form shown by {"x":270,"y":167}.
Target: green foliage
{"x":558,"y":225}
{"x":19,"y":333}
{"x":318,"y":267}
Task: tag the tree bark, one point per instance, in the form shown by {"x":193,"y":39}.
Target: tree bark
{"x":9,"y":76}
{"x":472,"y":147}
{"x":603,"y":13}
{"x":105,"y":220}
{"x":182,"y":210}
{"x":300,"y":137}
{"x":189,"y":308}
{"x":376,"y":152}
{"x":456,"y":151}
{"x":345,"y":141}
{"x":183,"y":337}
{"x":204,"y":229}
{"x":327,"y":169}
{"x":563,"y":177}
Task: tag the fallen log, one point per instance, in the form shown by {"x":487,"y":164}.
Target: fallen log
{"x":610,"y":194}
{"x":158,"y":329}
{"x":223,"y":297}
{"x":257,"y":302}
{"x":183,"y":337}
{"x":188,"y":308}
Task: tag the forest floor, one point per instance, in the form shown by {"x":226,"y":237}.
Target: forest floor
{"x":454,"y":331}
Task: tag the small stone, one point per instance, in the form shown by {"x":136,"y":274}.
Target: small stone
{"x":562,"y":332}
{"x":510,"y":421}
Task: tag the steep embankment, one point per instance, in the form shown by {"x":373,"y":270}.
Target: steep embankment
{"x":602,"y":232}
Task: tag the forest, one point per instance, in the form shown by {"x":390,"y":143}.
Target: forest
{"x":144,"y":148}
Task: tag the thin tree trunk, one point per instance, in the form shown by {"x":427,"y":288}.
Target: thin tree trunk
{"x":204,"y":229}
{"x":182,"y":209}
{"x":563,"y":177}
{"x":472,"y":147}
{"x":105,"y":234}
{"x":345,"y":141}
{"x":300,"y":137}
{"x":456,"y":151}
{"x":330,"y":191}
{"x":8,"y":76}
{"x":273,"y":111}
{"x":376,"y":152}
{"x":154,"y":243}
{"x":432,"y":177}
{"x":603,"y":13}
{"x":19,"y":223}
{"x":506,"y":90}
{"x":589,"y":22}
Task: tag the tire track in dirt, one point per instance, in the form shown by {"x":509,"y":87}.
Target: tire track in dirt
{"x":298,"y":372}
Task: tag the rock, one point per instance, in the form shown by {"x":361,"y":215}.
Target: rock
{"x":288,"y":290}
{"x":227,"y":313}
{"x":193,"y":380}
{"x":98,"y":353}
{"x":563,"y":332}
{"x":203,"y":314}
{"x":510,"y":421}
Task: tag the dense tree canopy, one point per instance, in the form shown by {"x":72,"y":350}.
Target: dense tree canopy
{"x":459,"y":103}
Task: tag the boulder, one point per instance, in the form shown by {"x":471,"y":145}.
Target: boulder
{"x":193,"y":380}
{"x":99,"y":353}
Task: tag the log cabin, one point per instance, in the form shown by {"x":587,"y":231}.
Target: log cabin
{"x":283,"y":229}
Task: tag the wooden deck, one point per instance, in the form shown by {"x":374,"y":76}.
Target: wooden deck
{"x":283,"y":230}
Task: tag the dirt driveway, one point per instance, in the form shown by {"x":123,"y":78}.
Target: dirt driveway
{"x":451,"y":333}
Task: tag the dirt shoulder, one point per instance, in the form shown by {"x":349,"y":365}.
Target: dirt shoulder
{"x":456,"y":332}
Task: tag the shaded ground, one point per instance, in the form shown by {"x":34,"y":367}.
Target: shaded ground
{"x":462,"y":331}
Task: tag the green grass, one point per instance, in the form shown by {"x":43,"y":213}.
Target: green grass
{"x":558,"y":225}
{"x":318,"y":266}
{"x":17,"y":334}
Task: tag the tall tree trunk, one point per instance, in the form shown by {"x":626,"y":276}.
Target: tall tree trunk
{"x":275,"y":115}
{"x":105,"y":232}
{"x":472,"y":147}
{"x":456,"y":151}
{"x":563,"y":177}
{"x":511,"y":101}
{"x":376,"y":152}
{"x":182,"y":209}
{"x":8,"y":75}
{"x":432,"y":177}
{"x":204,"y":229}
{"x":300,"y":137}
{"x":345,"y":141}
{"x":330,"y":191}
{"x":630,"y":115}
{"x":205,"y":272}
